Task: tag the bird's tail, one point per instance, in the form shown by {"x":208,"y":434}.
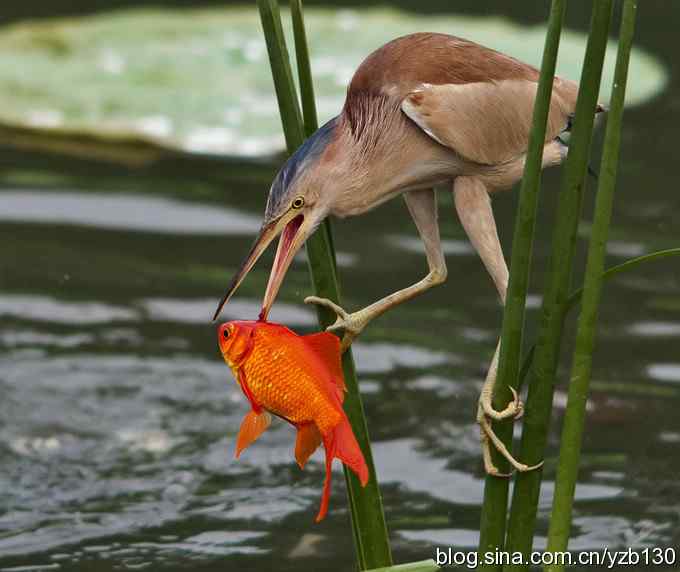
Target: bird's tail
{"x":340,"y":443}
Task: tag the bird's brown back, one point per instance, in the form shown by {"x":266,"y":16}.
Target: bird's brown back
{"x":486,"y":98}
{"x":402,"y":64}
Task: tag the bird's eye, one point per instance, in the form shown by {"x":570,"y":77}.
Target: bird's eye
{"x":298,"y":202}
{"x":225,"y":333}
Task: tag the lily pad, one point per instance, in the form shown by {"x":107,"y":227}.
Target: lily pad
{"x":198,"y":80}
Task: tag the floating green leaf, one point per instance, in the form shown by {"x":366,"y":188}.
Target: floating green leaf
{"x":195,"y":79}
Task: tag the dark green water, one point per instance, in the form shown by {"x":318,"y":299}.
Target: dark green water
{"x":118,"y":417}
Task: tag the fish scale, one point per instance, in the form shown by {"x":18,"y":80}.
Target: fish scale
{"x":289,"y":389}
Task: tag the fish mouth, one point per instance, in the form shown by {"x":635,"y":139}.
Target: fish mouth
{"x":292,"y":238}
{"x":268,"y":233}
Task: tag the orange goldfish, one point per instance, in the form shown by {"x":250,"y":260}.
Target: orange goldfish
{"x":297,"y":378}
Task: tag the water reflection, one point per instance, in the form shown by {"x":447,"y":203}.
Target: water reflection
{"x":125,"y":212}
{"x":200,"y":311}
{"x":669,"y":372}
{"x":46,"y":309}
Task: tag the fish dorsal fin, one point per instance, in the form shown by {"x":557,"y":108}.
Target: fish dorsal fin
{"x":308,"y":440}
{"x":327,"y":347}
{"x":252,"y":426}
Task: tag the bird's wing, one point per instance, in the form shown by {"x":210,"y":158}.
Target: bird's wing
{"x":486,"y":122}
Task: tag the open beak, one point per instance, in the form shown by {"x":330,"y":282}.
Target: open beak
{"x":289,"y":243}
{"x":292,"y":238}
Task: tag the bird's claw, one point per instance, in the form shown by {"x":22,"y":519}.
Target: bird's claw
{"x":348,"y":323}
{"x":514,"y":409}
{"x":485,"y":414}
{"x":489,"y":440}
{"x":517,"y":404}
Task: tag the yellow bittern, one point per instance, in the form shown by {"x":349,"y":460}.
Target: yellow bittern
{"x":424,"y":109}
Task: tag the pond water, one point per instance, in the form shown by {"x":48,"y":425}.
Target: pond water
{"x":118,"y":416}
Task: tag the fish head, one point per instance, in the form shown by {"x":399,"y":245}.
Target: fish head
{"x":235,"y":340}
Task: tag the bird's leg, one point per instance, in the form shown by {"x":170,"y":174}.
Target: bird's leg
{"x":474,"y":210}
{"x":473,"y":205}
{"x":423,"y":208}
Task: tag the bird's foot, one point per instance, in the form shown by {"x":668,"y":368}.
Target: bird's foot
{"x":351,"y":324}
{"x":490,"y":439}
{"x":514,"y":409}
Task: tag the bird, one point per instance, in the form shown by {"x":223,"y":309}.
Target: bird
{"x":424,"y":110}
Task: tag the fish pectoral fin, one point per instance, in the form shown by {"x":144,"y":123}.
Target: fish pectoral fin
{"x":327,"y":347}
{"x":252,"y":426}
{"x":308,"y":440}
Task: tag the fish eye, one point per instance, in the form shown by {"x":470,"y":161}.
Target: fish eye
{"x":225,"y":333}
{"x":298,"y":202}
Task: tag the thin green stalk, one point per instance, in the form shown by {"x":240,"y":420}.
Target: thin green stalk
{"x":494,"y":508}
{"x":541,"y":382}
{"x":574,"y":418}
{"x":575,"y":296}
{"x":368,"y":518}
{"x":304,"y":68}
{"x":286,"y":96}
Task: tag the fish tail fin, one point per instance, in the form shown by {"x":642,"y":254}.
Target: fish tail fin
{"x":340,"y":443}
{"x":348,"y":451}
{"x":325,"y":495}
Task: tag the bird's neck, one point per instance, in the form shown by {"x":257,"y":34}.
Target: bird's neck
{"x":385,"y":158}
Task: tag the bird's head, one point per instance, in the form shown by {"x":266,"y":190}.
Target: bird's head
{"x":295,"y":207}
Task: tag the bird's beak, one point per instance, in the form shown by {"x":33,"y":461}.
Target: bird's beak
{"x":292,"y":238}
{"x":290,"y":242}
{"x":268,"y":233}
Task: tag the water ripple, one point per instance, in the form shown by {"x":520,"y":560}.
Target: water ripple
{"x":200,"y":311}
{"x":125,"y":212}
{"x":47,"y":309}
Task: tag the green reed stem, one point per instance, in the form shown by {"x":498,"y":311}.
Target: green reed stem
{"x":494,"y":508}
{"x":368,"y":518}
{"x":574,"y":418}
{"x":286,"y":95}
{"x":575,"y":296}
{"x":304,"y":68}
{"x":541,"y":383}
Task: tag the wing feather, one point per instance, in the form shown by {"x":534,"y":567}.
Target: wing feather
{"x":486,"y":122}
